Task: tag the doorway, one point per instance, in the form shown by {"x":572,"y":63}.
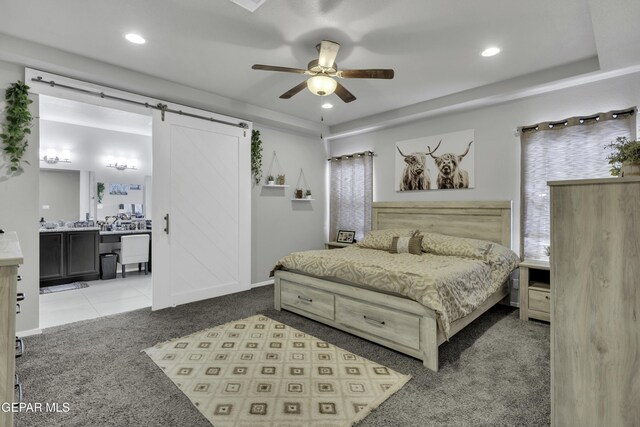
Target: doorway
{"x":95,"y":187}
{"x":184,"y":195}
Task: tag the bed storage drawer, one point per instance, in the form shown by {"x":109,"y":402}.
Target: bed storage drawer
{"x":307,"y":299}
{"x":401,"y":328}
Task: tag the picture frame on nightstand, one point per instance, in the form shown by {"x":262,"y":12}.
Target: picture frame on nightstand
{"x":346,"y":236}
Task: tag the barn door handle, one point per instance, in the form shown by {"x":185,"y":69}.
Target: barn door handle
{"x":166,"y":223}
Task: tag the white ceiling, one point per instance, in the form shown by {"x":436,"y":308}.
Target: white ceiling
{"x":433,"y":46}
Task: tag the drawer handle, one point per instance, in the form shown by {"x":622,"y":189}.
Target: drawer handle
{"x":546,"y":296}
{"x":305,"y":299}
{"x":18,"y":309}
{"x":374,"y":321}
{"x":19,"y":347}
{"x":18,"y":388}
{"x":20,"y":296}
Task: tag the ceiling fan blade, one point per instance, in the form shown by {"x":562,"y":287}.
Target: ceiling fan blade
{"x":344,"y":94}
{"x":276,"y":68}
{"x":366,"y":74}
{"x":288,"y":94}
{"x":328,"y":51}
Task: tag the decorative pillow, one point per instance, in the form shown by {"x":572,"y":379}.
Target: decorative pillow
{"x":440,"y":244}
{"x":404,"y":245}
{"x":381,"y":239}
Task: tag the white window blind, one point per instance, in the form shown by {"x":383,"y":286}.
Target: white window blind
{"x":351,"y":194}
{"x":567,"y":149}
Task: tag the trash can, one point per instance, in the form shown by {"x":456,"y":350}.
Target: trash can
{"x":108,"y":266}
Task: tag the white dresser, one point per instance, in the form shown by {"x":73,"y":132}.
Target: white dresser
{"x":595,"y":302}
{"x":10,"y":258}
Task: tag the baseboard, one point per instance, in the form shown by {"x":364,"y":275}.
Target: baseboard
{"x":265,"y":283}
{"x":29,"y":332}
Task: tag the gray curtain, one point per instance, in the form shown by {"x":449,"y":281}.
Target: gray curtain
{"x":351,"y":194}
{"x":568,"y":149}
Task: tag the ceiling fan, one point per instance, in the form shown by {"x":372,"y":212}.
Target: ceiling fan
{"x":323,"y":72}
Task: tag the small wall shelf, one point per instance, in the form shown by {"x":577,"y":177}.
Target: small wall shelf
{"x":302,"y":200}
{"x":276,"y":186}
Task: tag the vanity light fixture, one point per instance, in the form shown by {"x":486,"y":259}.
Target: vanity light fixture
{"x":51,"y":157}
{"x":120,"y":166}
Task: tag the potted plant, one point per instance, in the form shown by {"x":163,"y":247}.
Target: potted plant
{"x":299,"y":192}
{"x":270,"y":180}
{"x":625,"y":158}
{"x":308,"y":194}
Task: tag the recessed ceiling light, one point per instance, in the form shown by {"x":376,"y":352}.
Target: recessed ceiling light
{"x":491,"y":51}
{"x":327,"y":105}
{"x":135,"y":38}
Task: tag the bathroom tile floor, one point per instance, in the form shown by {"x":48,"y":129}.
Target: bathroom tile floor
{"x":101,"y":298}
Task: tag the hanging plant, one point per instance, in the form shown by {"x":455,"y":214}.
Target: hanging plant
{"x":17,"y":124}
{"x":100,"y":186}
{"x":256,"y":156}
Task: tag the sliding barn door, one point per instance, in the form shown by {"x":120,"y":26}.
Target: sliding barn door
{"x":201,"y":210}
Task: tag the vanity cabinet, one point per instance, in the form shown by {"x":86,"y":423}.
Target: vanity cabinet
{"x":69,"y":256}
{"x":82,"y":253}
{"x":51,"y":256}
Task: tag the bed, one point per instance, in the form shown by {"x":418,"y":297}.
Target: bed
{"x":382,"y":315}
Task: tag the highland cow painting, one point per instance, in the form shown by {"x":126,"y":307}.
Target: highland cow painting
{"x":439,"y":162}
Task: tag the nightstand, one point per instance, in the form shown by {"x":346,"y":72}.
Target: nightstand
{"x":336,"y":245}
{"x":535,"y":287}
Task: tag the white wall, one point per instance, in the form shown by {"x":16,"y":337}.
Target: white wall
{"x":496,"y":143}
{"x":280,"y":226}
{"x":19,"y":209}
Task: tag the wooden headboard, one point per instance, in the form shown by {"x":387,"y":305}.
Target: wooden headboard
{"x":478,"y":220}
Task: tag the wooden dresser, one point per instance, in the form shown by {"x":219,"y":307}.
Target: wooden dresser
{"x":10,"y":258}
{"x":595,"y":302}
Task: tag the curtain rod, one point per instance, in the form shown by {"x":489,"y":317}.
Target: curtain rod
{"x":163,"y":108}
{"x":347,"y":156}
{"x":579,"y":120}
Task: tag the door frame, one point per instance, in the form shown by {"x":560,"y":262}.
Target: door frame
{"x":90,"y":98}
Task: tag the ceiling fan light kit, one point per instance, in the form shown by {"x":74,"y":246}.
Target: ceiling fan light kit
{"x":323,"y":72}
{"x":322,"y":85}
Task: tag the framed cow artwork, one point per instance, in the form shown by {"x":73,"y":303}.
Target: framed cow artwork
{"x":439,"y":162}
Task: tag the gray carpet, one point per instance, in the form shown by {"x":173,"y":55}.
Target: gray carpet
{"x":493,"y":373}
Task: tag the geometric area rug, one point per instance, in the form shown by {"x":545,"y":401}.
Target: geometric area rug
{"x":259,"y":372}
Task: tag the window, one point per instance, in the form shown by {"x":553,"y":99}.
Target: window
{"x":351,"y":194}
{"x":568,"y":149}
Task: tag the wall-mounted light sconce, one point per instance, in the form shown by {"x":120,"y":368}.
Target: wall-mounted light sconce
{"x":51,"y":157}
{"x":121,"y":164}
